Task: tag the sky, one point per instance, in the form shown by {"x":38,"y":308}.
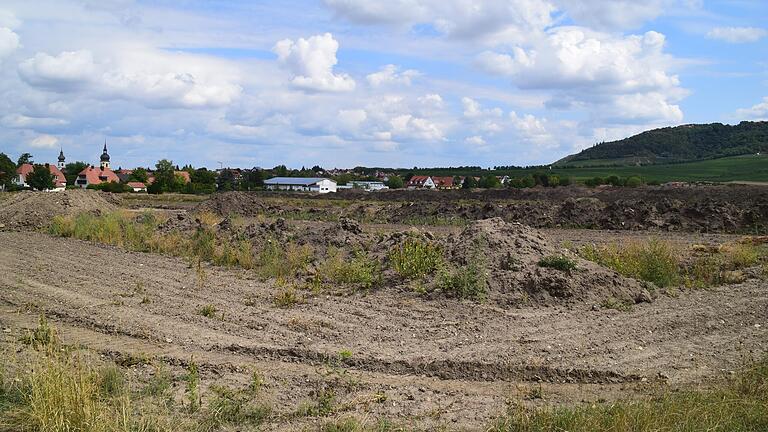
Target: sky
{"x":341,"y":83}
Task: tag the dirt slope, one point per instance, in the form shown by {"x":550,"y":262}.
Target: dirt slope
{"x":32,"y":210}
{"x":459,"y":358}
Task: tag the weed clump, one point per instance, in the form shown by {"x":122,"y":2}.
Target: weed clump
{"x":415,"y":258}
{"x":465,"y":282}
{"x":360,"y":270}
{"x":558,"y":262}
{"x":653,"y":261}
{"x":208,"y":311}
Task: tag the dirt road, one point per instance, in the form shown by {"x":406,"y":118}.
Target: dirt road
{"x":437,"y":361}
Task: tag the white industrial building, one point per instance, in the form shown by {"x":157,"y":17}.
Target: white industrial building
{"x":365,"y":185}
{"x":301,"y":184}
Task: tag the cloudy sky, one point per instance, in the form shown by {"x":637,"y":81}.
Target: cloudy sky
{"x":369,"y":82}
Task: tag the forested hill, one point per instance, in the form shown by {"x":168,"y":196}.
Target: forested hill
{"x":676,"y":144}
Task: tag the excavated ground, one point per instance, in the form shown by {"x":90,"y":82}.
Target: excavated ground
{"x":438,"y":361}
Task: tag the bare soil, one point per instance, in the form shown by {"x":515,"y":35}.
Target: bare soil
{"x":438,"y":361}
{"x":731,"y":208}
{"x":33,"y":210}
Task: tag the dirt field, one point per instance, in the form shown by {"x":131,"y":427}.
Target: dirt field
{"x":439,"y":361}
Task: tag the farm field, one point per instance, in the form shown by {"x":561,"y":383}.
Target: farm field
{"x":752,"y":168}
{"x":392,"y":312}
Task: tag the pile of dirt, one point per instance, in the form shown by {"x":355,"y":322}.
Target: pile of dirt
{"x":34,"y":210}
{"x":511,"y":254}
{"x":229,"y":203}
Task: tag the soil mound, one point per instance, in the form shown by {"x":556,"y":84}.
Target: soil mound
{"x":33,"y":210}
{"x":512,"y":255}
{"x":227,"y":203}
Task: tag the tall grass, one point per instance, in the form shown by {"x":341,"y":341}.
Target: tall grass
{"x":740,"y":405}
{"x":360,"y":270}
{"x":653,"y":261}
{"x":659,"y":262}
{"x":415,"y":258}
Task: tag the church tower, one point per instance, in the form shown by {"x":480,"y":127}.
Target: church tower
{"x":105,"y":157}
{"x":61,"y":163}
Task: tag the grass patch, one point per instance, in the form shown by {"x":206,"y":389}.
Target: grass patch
{"x":360,"y":270}
{"x":653,"y":261}
{"x":283,"y":261}
{"x":465,"y":282}
{"x":415,"y":258}
{"x":558,"y":262}
{"x":740,"y":405}
{"x":208,"y":311}
{"x":287,"y":297}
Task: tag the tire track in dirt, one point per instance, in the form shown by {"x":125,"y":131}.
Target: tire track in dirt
{"x":392,"y":332}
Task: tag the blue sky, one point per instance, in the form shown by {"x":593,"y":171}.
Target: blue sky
{"x":361,"y":82}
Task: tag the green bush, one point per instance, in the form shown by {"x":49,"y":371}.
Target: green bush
{"x":653,"y":261}
{"x":465,"y":282}
{"x":558,"y":262}
{"x":415,"y":258}
{"x":360,"y":270}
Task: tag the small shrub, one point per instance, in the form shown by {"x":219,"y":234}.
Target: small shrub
{"x":208,"y":311}
{"x":43,"y":336}
{"x":286,"y":297}
{"x":613,"y":303}
{"x":558,"y":262}
{"x":415,"y":258}
{"x":283,"y":261}
{"x":360,"y":270}
{"x":466,"y":282}
{"x":653,"y":261}
{"x":232,"y":407}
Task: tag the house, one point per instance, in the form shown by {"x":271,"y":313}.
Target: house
{"x":93,"y":176}
{"x":503,"y":179}
{"x":137,"y":186}
{"x":420,"y":182}
{"x":444,"y":182}
{"x":59,"y":181}
{"x":364,"y":185}
{"x":301,"y":184}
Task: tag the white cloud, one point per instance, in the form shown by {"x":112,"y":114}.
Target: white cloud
{"x":311,"y":63}
{"x":8,"y":19}
{"x":9,"y":42}
{"x":44,"y":141}
{"x":152,"y":78}
{"x":756,"y":112}
{"x":619,"y":14}
{"x":68,"y":71}
{"x":390,"y":74}
{"x":490,"y":20}
{"x":476,"y":140}
{"x":737,"y":34}
{"x":24,"y":122}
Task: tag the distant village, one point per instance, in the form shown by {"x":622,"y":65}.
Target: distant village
{"x":188,"y":179}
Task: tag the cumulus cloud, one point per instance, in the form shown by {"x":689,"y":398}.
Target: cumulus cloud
{"x":311,"y":63}
{"x":609,"y":73}
{"x":20,"y":121}
{"x":756,"y":112}
{"x":44,"y":142}
{"x":390,"y":74}
{"x":9,"y":42}
{"x":475,"y":140}
{"x":618,"y":14}
{"x":154,"y":79}
{"x":737,"y":34}
{"x":490,"y":20}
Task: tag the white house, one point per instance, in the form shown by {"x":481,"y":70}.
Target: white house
{"x":420,"y":182}
{"x":365,"y":185}
{"x":301,"y":184}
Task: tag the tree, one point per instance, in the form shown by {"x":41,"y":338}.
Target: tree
{"x":280,"y":171}
{"x":25,"y":158}
{"x":139,"y":175}
{"x":203,"y":176}
{"x":72,"y":169}
{"x":40,"y":178}
{"x":490,"y":182}
{"x":634,"y":181}
{"x":469,"y":183}
{"x":395,"y":182}
{"x":226,"y":180}
{"x":7,"y":171}
{"x":252,"y":180}
{"x":165,"y":177}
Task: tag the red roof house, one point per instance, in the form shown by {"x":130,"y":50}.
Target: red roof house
{"x":59,"y":181}
{"x":420,"y":182}
{"x":93,"y":176}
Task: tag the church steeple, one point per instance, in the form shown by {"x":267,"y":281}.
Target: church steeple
{"x":105,"y":157}
{"x":61,"y":164}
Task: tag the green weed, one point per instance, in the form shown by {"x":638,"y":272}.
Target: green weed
{"x":558,"y":262}
{"x":415,"y":258}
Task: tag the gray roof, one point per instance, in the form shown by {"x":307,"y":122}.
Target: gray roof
{"x":302,"y":181}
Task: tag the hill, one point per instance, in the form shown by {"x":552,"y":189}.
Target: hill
{"x":676,"y":144}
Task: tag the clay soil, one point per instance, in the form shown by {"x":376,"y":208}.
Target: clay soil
{"x":439,"y":361}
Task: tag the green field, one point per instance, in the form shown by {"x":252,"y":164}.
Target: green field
{"x":748,"y":168}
